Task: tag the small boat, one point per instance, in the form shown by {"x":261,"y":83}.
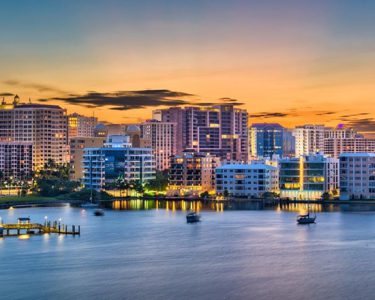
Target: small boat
{"x":193,"y":217}
{"x":89,"y":205}
{"x":306,"y":219}
{"x":99,"y":212}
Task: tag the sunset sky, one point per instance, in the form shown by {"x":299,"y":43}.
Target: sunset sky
{"x":291,"y":62}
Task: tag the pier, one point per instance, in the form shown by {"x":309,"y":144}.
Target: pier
{"x":24,"y":226}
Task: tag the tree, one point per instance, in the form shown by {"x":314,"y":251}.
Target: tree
{"x":326,"y":196}
{"x":204,"y":195}
{"x":160,"y":182}
{"x":226,"y":194}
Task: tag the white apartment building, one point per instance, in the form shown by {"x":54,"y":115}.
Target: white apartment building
{"x":246,"y":180}
{"x":307,"y":177}
{"x":309,"y":139}
{"x":161,"y":137}
{"x":357,"y":176}
{"x":103,"y":165}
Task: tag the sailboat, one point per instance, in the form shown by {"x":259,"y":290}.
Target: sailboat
{"x":90,"y":203}
{"x":306,"y":219}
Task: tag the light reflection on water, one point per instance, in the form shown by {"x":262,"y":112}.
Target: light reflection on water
{"x":238,"y":251}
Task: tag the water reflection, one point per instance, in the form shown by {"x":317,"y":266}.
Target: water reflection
{"x":186,"y":205}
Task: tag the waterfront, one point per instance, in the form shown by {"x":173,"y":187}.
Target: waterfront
{"x":149,"y":252}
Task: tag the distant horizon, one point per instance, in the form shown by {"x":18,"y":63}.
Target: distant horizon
{"x":290,"y":62}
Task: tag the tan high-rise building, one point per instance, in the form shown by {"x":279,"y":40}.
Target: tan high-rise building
{"x":45,"y":126}
{"x":77,"y":146}
{"x":161,"y":137}
{"x":81,"y":126}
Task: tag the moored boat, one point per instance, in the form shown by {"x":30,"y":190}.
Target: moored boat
{"x":99,"y":212}
{"x":306,"y":219}
{"x":193,"y":217}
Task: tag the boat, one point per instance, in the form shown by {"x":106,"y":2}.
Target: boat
{"x":193,"y":217}
{"x":90,"y":203}
{"x":306,"y":219}
{"x":99,"y":212}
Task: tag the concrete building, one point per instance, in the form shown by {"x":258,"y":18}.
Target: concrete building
{"x":103,"y":165}
{"x":247,"y":180}
{"x":100,"y":130}
{"x":220,"y":130}
{"x":81,"y":126}
{"x":192,"y":173}
{"x":289,"y":143}
{"x":161,"y":137}
{"x":357,"y":176}
{"x":16,"y":160}
{"x":309,"y":139}
{"x":358,"y":144}
{"x":134,"y":132}
{"x":77,"y":146}
{"x":308,"y":177}
{"x":45,"y":126}
{"x":266,"y":140}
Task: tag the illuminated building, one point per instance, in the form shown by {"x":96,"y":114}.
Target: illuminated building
{"x":247,"y":180}
{"x":192,"y":173}
{"x":45,"y":126}
{"x":161,"y":137}
{"x":357,"y":176}
{"x":16,"y":160}
{"x":335,"y":146}
{"x":220,"y":130}
{"x":81,"y":126}
{"x":307,"y":177}
{"x":77,"y":146}
{"x":266,"y":139}
{"x":103,"y":165}
{"x":309,"y":139}
{"x":100,"y":130}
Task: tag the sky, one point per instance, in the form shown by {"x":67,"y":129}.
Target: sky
{"x":292,"y":62}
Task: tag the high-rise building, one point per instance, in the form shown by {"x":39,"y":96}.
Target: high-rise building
{"x":161,"y":137}
{"x":220,"y":130}
{"x":289,"y":143}
{"x":192,"y":173}
{"x":309,"y":139}
{"x":134,"y":132}
{"x":100,"y":130}
{"x":77,"y":146}
{"x":335,"y":146}
{"x":81,"y":126}
{"x":45,"y":126}
{"x":307,"y":177}
{"x":266,"y":140}
{"x":16,"y":160}
{"x":247,"y":180}
{"x":357,"y":176}
{"x":103,"y":165}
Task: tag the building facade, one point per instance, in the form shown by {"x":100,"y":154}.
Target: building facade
{"x":192,"y":173}
{"x":247,"y":180}
{"x":103,"y":165}
{"x":221,"y":130}
{"x":77,"y":146}
{"x":309,"y":139}
{"x":308,"y":177}
{"x":16,"y":160}
{"x":161,"y":137}
{"x":81,"y":126}
{"x":45,"y":126}
{"x":357,"y":176}
{"x":266,"y":140}
{"x":336,"y":146}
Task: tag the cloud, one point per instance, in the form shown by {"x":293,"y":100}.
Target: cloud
{"x":269,"y":115}
{"x":35,"y":86}
{"x":126,"y":100}
{"x":324,"y":113}
{"x":362,"y":125}
{"x":6,"y":94}
{"x":354,"y":115}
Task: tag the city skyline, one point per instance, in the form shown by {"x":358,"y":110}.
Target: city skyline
{"x":298,"y":63}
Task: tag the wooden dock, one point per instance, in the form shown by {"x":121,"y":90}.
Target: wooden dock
{"x":24,"y":226}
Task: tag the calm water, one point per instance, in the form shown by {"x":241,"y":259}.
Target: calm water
{"x":154,"y":254}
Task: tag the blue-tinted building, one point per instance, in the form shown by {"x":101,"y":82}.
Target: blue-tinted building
{"x":266,"y":139}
